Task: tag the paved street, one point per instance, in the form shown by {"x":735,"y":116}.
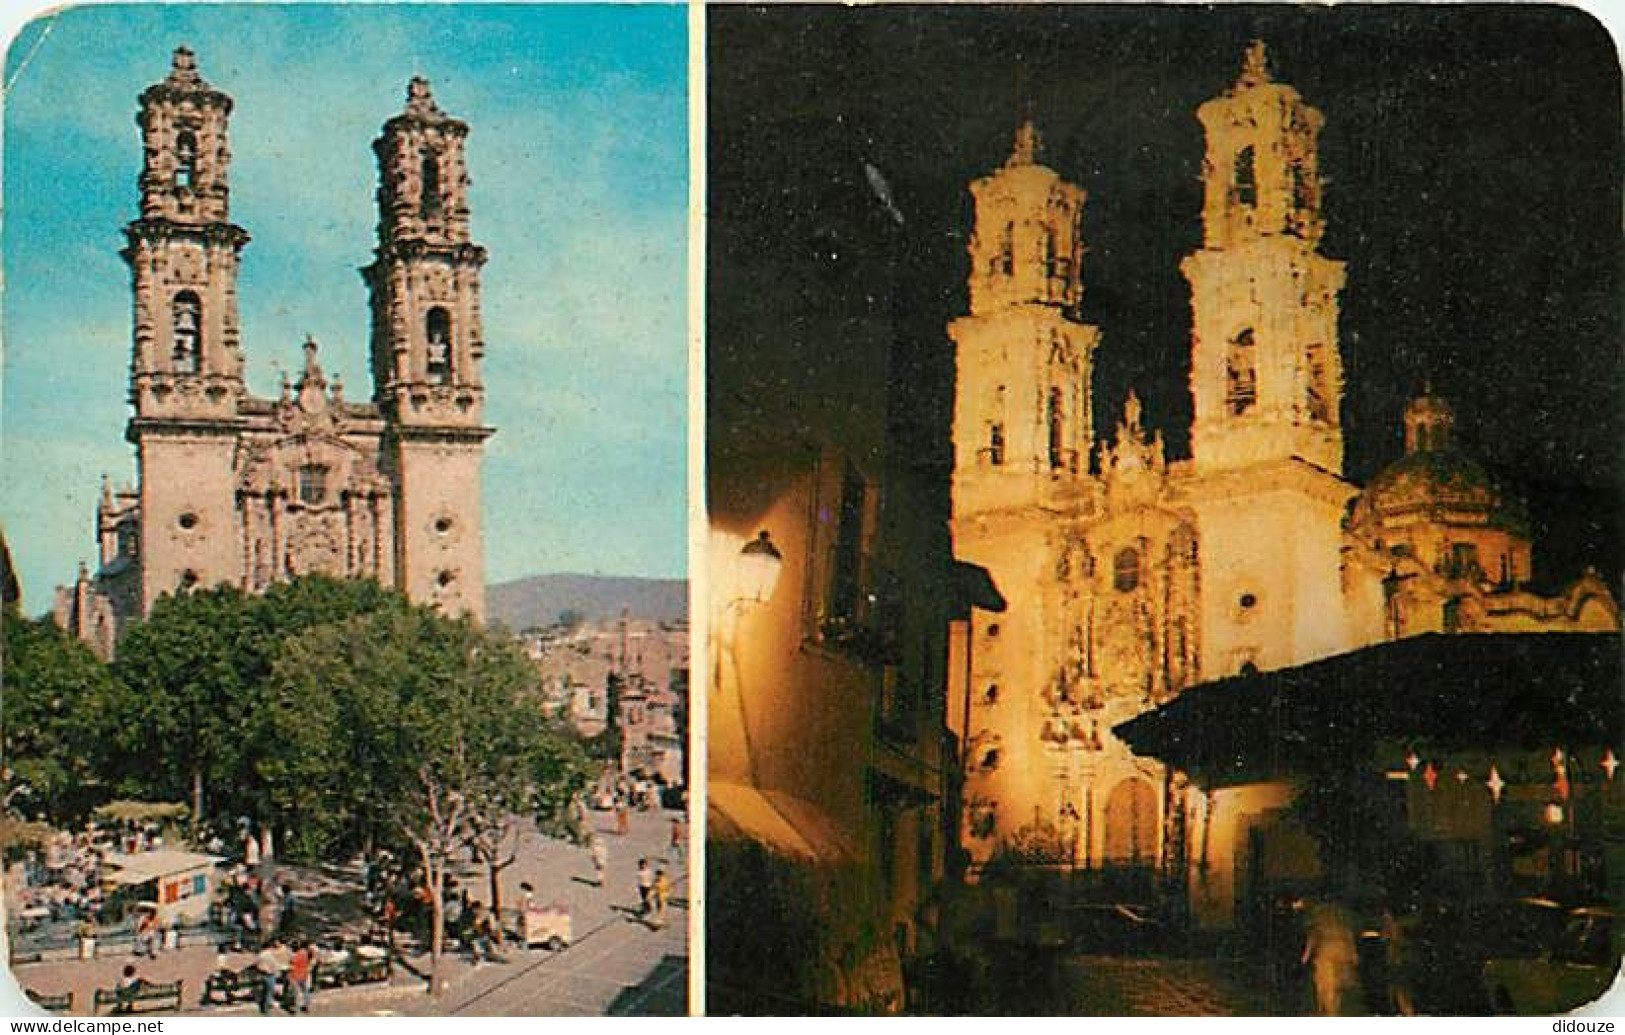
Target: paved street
{"x":616,"y":963}
{"x":1172,"y":987}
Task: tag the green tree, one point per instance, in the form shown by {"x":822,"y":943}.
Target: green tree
{"x":409,"y":728}
{"x":197,"y":673}
{"x":55,"y":691}
{"x":178,"y":727}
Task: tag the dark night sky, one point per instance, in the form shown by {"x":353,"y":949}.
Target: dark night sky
{"x":1472,"y":160}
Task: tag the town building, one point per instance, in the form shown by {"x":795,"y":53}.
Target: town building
{"x":240,"y":490}
{"x":1131,"y":576}
{"x":830,"y":772}
{"x":629,"y":674}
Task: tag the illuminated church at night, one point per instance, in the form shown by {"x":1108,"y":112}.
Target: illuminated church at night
{"x":1130,"y":576}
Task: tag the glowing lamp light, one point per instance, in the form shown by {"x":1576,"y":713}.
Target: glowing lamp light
{"x":1412,"y":760}
{"x":759,"y":565}
{"x":1495,"y":784}
{"x":1610,"y":763}
{"x":1553,"y":813}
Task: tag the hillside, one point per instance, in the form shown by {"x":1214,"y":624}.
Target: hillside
{"x":540,"y":599}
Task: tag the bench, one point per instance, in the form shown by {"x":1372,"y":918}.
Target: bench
{"x":54,"y":1003}
{"x":143,"y":996}
{"x":231,"y":986}
{"x":359,"y":970}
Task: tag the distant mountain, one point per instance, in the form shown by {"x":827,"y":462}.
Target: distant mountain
{"x":540,"y":599}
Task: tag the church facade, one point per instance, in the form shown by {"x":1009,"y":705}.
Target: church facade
{"x":1130,"y":576}
{"x":239,"y":490}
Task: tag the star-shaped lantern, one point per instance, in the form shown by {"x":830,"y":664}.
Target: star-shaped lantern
{"x":1495,"y":784}
{"x":1430,"y":776}
{"x":1412,"y":760}
{"x":1609,"y":763}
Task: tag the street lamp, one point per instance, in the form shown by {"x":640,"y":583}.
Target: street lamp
{"x":758,"y":570}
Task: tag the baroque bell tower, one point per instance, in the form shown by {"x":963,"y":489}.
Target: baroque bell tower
{"x":424,"y":290}
{"x":1266,"y":375}
{"x":186,"y":371}
{"x":1022,"y":442}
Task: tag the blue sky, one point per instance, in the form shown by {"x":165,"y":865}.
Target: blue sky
{"x":578,"y":156}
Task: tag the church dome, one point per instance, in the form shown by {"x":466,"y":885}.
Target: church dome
{"x":1436,"y":479}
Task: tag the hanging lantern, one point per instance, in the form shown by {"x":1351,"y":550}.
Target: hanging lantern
{"x":1412,"y":760}
{"x":1553,"y":813}
{"x":759,"y":565}
{"x":1461,"y":776}
{"x":1495,"y":784}
{"x":1609,"y":764}
{"x":1557,"y":758}
{"x":1430,"y":776}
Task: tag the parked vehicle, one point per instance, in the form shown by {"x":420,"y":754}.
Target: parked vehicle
{"x":1569,"y":970}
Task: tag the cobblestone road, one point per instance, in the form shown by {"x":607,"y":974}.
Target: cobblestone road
{"x":1168,"y":987}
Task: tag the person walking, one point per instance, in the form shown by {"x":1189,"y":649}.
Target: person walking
{"x":600,"y":858}
{"x":269,"y":965}
{"x":646,"y":883}
{"x":660,"y":894}
{"x":1332,"y":957}
{"x":300,"y":967}
{"x":1400,"y":955}
{"x":679,"y":836}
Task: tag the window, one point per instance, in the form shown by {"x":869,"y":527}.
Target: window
{"x":1246,"y":178}
{"x":995,"y":445}
{"x":185,"y":160}
{"x":847,"y":563}
{"x":312,"y":484}
{"x":1006,"y":261}
{"x":1317,"y":396}
{"x":1126,"y":570}
{"x":1464,"y":559}
{"x":1302,"y":196}
{"x":1053,"y":415}
{"x":1241,"y":374}
{"x":438,"y":331}
{"x":186,"y":333}
{"x":429,"y":186}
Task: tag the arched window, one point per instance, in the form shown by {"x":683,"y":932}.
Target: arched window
{"x":1241,"y":374}
{"x":1126,"y":570}
{"x":438,"y":332}
{"x":1302,"y":195}
{"x":1006,"y":261}
{"x":1317,"y":394}
{"x":186,"y":160}
{"x":1246,"y":178}
{"x":1053,"y":416}
{"x":186,"y":333}
{"x":995,"y":445}
{"x":429,"y":186}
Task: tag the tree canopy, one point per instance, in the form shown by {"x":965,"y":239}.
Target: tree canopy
{"x":317,"y":708}
{"x":54,"y":691}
